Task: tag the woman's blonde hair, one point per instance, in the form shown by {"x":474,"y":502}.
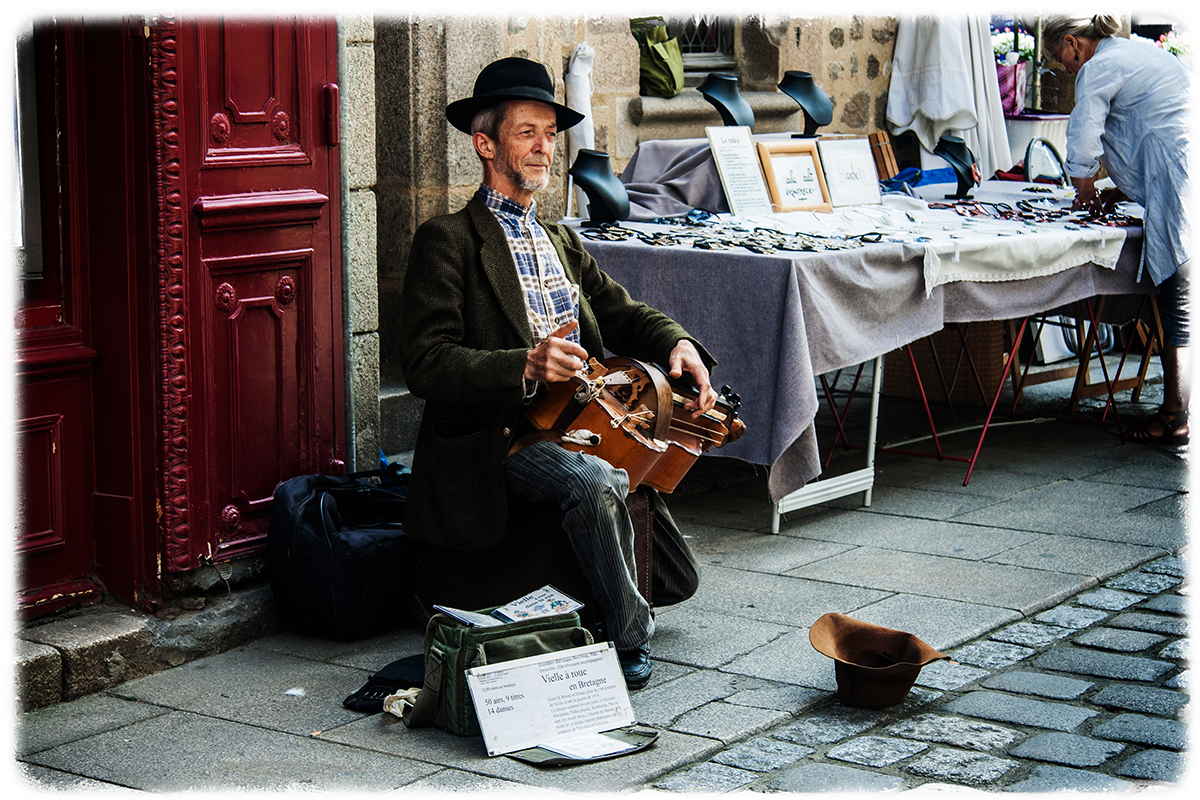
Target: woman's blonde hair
{"x":1100,"y":26}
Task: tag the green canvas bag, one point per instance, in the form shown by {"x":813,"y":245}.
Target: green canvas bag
{"x":451,"y":648}
{"x":661,"y":61}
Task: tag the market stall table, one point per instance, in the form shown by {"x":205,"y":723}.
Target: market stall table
{"x":774,"y":321}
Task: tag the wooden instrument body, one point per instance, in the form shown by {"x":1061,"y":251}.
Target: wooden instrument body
{"x":642,"y":425}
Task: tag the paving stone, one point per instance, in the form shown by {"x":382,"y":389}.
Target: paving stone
{"x":1179,"y":681}
{"x":1175,"y":650}
{"x":1143,"y":699}
{"x":1156,"y":732}
{"x":1144,"y":582}
{"x":663,"y":704}
{"x":1168,"y":565}
{"x":1071,"y":616}
{"x":1154,"y":765}
{"x":992,"y":655}
{"x":726,"y":722}
{"x":831,"y":778}
{"x":875,"y":751}
{"x":1104,"y":665}
{"x":1155,"y":623}
{"x":707,"y":777}
{"x":949,"y":675}
{"x":762,"y":754}
{"x":968,"y":733}
{"x":1038,"y":683}
{"x":1109,"y":599}
{"x":1020,"y":710}
{"x":1031,"y":634}
{"x":917,"y":696}
{"x":960,"y":766}
{"x":1069,"y":749}
{"x":830,"y":724}
{"x":1167,"y":603}
{"x":1119,"y":639}
{"x":781,"y":697}
{"x":1046,"y":779}
{"x":87,"y":716}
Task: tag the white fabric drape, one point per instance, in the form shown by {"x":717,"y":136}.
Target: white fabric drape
{"x":578,"y":85}
{"x":944,"y":81}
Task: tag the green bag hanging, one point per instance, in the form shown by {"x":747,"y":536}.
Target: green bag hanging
{"x":661,"y":61}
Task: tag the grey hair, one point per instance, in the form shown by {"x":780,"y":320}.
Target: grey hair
{"x":1100,"y":26}
{"x":487,"y":121}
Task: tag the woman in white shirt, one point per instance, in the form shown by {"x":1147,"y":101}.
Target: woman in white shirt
{"x":1132,"y":108}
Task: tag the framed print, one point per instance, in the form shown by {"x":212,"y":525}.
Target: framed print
{"x":793,"y":171}
{"x":849,"y":171}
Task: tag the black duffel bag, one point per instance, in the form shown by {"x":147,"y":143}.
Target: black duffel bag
{"x":337,"y":558}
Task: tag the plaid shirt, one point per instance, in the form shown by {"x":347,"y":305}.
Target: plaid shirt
{"x":551,"y":300}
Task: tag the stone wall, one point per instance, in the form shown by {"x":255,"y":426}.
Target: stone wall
{"x":422,"y":63}
{"x":356,"y":54}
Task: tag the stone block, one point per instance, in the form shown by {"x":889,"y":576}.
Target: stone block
{"x":830,"y":724}
{"x":992,"y":655}
{"x":1167,"y":603}
{"x":98,"y":650}
{"x":781,"y":697}
{"x":1142,"y":699}
{"x":1154,"y":731}
{"x":1154,"y":765}
{"x":707,"y":778}
{"x":1144,"y":582}
{"x":1071,"y":617}
{"x":358,"y":119}
{"x":1047,"y":779}
{"x":364,"y":263}
{"x":831,"y":778}
{"x":1104,"y":665}
{"x":1068,"y":749}
{"x":966,"y":733}
{"x":949,"y":675}
{"x":727,"y":722}
{"x":38,"y":675}
{"x":1020,"y":710}
{"x":1109,"y":599}
{"x":1168,"y":565}
{"x":1179,"y":681}
{"x":960,"y":766}
{"x":662,"y":705}
{"x":1122,"y":641}
{"x":1155,"y":623}
{"x":875,"y":751}
{"x":1055,"y":687}
{"x":1031,"y":634}
{"x":1176,"y":650}
{"x":763,"y":754}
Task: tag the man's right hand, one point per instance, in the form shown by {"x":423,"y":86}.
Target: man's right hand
{"x":555,"y":358}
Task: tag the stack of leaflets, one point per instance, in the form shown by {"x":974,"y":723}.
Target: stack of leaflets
{"x":543,"y":602}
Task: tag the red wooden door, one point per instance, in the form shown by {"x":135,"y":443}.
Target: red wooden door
{"x":249,"y":273}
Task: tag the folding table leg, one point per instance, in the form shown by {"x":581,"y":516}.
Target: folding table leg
{"x":1016,"y":346}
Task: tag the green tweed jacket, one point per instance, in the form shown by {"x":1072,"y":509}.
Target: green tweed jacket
{"x":465,"y":334}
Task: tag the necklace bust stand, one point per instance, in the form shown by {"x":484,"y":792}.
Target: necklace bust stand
{"x":721,"y":89}
{"x":608,"y":201}
{"x":956,"y":153}
{"x":814,"y":103}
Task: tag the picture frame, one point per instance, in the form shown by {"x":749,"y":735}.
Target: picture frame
{"x":850,"y":173}
{"x":794,"y":176}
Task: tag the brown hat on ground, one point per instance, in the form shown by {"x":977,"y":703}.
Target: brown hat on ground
{"x":875,"y":666}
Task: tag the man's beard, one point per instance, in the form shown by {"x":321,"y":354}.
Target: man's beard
{"x":513,"y":173}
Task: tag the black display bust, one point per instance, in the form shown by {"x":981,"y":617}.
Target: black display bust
{"x":607,"y":199}
{"x":814,"y":103}
{"x":721,"y":89}
{"x":956,"y":153}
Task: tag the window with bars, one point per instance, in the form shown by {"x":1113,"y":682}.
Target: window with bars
{"x":705,"y":41}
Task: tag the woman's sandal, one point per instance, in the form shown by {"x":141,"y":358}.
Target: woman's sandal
{"x":1170,"y":423}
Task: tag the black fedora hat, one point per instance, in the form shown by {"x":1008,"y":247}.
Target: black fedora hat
{"x":510,"y":79}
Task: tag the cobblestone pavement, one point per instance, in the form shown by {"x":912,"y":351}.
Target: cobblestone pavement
{"x":1087,"y":696}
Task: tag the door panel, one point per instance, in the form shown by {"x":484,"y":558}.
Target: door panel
{"x":254,"y":346}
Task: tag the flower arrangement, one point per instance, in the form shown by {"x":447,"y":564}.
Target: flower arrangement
{"x":1002,"y":45}
{"x":1171,"y":41}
